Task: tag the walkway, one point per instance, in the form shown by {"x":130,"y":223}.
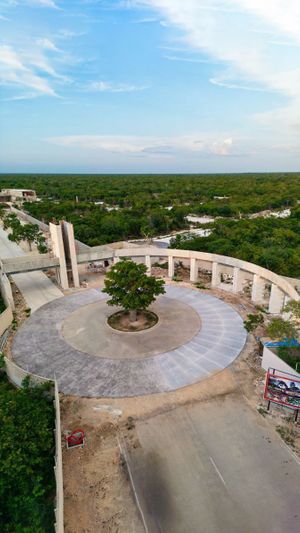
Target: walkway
{"x":40,"y":347}
{"x":36,"y":288}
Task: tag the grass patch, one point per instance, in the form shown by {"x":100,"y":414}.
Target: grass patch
{"x":200,"y":285}
{"x":262,"y":411}
{"x":287,"y":434}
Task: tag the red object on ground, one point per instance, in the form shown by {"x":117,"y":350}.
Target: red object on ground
{"x":76,"y":438}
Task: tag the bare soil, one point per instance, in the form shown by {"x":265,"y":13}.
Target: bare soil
{"x":21,"y":313}
{"x":121,"y":321}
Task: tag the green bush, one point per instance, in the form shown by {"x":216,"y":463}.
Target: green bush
{"x":27,"y":485}
{"x":253,"y":321}
{"x":291,"y":355}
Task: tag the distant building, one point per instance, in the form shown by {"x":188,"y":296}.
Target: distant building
{"x":17,"y":196}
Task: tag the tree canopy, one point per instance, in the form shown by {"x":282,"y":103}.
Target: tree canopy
{"x":108,"y":208}
{"x":24,"y":232}
{"x":129,"y":286}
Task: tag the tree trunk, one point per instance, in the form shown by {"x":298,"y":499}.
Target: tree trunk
{"x":30,"y":247}
{"x":132,"y":315}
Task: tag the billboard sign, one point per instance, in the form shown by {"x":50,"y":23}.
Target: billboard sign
{"x":282,"y":388}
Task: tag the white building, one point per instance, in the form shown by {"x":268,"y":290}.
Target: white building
{"x":17,"y":195}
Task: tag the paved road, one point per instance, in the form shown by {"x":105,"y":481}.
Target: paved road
{"x":215,"y":468}
{"x":36,"y":288}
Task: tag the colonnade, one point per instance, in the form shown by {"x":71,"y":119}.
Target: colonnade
{"x":266,"y":287}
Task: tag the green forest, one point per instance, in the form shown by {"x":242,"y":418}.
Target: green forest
{"x":107,"y":208}
{"x":27,"y":485}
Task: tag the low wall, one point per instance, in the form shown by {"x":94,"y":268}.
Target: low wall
{"x":16,"y":375}
{"x":6,"y":319}
{"x":271,"y":360}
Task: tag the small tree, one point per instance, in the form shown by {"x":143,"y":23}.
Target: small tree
{"x":131,"y":288}
{"x":11,"y":221}
{"x":281,"y":329}
{"x":27,"y":232}
{"x":293,"y":307}
{"x":253,"y":321}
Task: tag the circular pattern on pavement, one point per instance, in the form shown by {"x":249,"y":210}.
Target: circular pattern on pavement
{"x":86,"y":329}
{"x":41,"y":348}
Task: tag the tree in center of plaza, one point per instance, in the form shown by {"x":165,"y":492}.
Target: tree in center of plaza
{"x":129,"y":287}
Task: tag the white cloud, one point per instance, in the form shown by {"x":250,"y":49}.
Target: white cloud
{"x":237,"y":34}
{"x":38,"y":3}
{"x":18,"y":70}
{"x":146,"y":20}
{"x":43,"y":3}
{"x":149,"y":146}
{"x":47,"y":44}
{"x":186,"y":59}
{"x":237,"y":86}
{"x":105,"y":86}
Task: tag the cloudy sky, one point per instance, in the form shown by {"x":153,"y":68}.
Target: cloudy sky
{"x":149,"y":85}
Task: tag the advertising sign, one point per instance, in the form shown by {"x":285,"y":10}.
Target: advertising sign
{"x":282,"y":388}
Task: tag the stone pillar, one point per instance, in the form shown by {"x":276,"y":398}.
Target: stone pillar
{"x":276,"y":300}
{"x":193,"y":270}
{"x":148,"y":264}
{"x":59,"y":251}
{"x":237,"y":285}
{"x":258,"y":289}
{"x":215,"y":274}
{"x":5,"y":289}
{"x":116,"y":260}
{"x":70,"y":251}
{"x":171,"y":269}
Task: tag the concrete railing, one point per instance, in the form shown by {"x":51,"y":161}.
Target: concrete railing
{"x":6,"y":319}
{"x":29,"y":263}
{"x":241,"y":271}
{"x":16,"y":375}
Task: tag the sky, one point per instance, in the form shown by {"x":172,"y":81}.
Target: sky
{"x":113,"y":86}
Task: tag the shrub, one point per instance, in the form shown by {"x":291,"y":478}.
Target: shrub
{"x":26,"y":466}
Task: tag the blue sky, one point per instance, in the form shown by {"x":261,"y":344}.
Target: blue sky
{"x":149,"y":85}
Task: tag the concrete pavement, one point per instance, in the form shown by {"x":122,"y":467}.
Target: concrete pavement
{"x":79,"y":371}
{"x":36,"y":288}
{"x":215,"y":467}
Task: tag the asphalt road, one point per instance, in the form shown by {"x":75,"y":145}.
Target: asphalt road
{"x":36,"y":287}
{"x":215,"y":468}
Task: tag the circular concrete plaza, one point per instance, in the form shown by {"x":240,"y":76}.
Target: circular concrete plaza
{"x":196,"y":335}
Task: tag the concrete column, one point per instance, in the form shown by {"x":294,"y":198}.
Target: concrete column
{"x":171,"y":269}
{"x":5,"y":289}
{"x":70,"y":251}
{"x":193,"y":270}
{"x":116,"y":260}
{"x":276,"y":300}
{"x":238,"y":279}
{"x":258,"y":289}
{"x":148,"y":264}
{"x":59,"y":251}
{"x":215,"y":274}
